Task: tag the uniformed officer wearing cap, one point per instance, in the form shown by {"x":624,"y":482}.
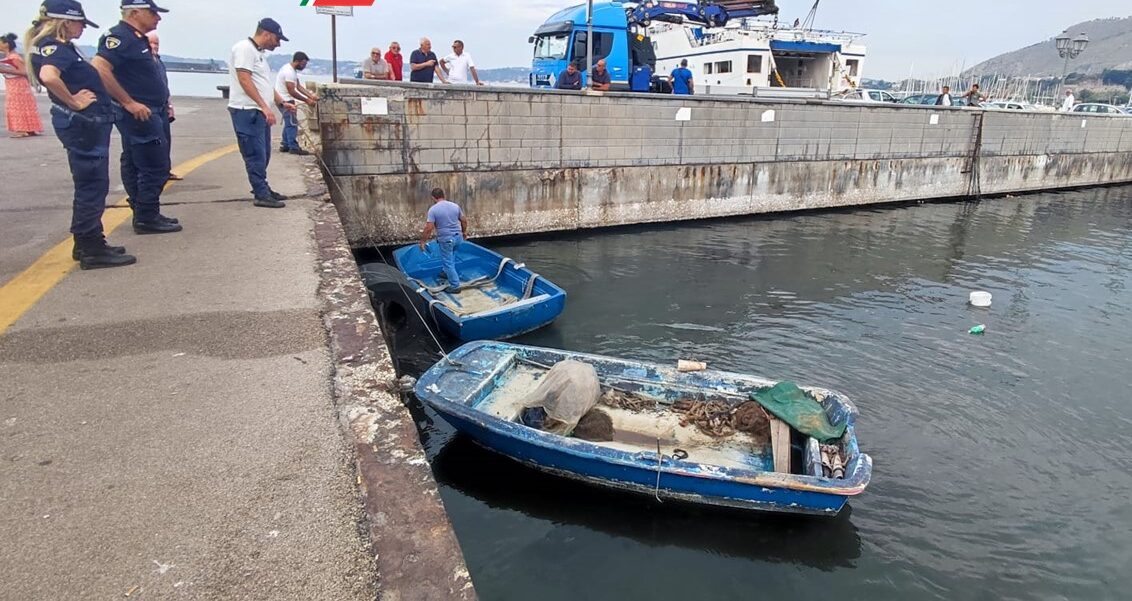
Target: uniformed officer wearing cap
{"x":133,"y":78}
{"x":82,"y":117}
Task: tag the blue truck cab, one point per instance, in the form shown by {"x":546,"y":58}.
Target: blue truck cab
{"x":562,"y":39}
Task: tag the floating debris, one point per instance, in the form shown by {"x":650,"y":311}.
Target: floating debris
{"x":686,"y":365}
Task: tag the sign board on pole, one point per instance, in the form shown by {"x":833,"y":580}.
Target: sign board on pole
{"x":339,"y":11}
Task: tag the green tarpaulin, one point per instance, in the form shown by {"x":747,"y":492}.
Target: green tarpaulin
{"x":792,"y":405}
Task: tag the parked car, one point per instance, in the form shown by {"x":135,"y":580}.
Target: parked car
{"x":860,"y":95}
{"x":1098,"y":108}
{"x":929,"y":99}
{"x":1009,"y":105}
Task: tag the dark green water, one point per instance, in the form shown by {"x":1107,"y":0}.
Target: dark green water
{"x":1003,"y":462}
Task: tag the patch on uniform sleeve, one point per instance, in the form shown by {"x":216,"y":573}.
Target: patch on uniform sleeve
{"x":48,"y":50}
{"x":112,"y":42}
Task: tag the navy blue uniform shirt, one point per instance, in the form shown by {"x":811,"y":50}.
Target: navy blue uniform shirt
{"x":135,"y":67}
{"x":422,"y":75}
{"x":75,"y":71}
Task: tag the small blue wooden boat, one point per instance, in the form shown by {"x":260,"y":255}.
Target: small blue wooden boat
{"x":481,"y":387}
{"x":497,"y":298}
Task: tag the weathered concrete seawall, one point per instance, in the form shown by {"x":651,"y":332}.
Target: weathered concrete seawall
{"x":524,"y":161}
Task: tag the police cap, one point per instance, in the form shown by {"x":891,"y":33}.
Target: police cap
{"x":69,"y":10}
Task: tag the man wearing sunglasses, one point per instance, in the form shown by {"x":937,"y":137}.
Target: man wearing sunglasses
{"x":395,"y":60}
{"x":375,"y":67}
{"x":459,"y":65}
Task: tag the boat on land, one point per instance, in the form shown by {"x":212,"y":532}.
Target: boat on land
{"x":483,"y":389}
{"x":498,"y":298}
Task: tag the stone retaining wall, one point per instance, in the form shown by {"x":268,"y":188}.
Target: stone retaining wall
{"x":524,"y":161}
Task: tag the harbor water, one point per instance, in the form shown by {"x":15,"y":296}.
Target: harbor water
{"x":1001,"y":459}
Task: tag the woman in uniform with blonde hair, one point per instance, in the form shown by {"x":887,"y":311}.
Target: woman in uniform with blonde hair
{"x":82,"y":117}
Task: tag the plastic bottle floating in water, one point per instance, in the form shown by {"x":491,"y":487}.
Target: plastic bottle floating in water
{"x":979,"y":329}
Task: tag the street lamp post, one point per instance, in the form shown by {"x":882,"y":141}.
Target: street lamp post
{"x":1068,"y":48}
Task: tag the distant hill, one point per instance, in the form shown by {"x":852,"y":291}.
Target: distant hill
{"x":1110,"y":47}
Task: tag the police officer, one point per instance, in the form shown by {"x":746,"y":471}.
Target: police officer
{"x":132,"y":76}
{"x":82,"y":118}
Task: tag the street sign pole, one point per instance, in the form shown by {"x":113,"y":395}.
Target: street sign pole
{"x":589,"y":41}
{"x":334,"y":12}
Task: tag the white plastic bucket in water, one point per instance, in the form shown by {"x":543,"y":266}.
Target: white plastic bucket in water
{"x":980,"y":298}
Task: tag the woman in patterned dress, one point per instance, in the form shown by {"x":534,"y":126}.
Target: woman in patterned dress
{"x":19,"y":102}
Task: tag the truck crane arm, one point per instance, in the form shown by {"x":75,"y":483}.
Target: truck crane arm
{"x":706,"y":12}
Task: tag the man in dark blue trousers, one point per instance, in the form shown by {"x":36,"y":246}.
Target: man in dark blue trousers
{"x":132,"y":75}
{"x":252,"y":116}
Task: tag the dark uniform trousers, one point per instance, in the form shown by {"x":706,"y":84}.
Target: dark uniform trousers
{"x":253,"y":135}
{"x":145,"y":160}
{"x":86,"y":136}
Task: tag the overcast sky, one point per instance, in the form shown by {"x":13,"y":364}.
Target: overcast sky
{"x":934,"y":38}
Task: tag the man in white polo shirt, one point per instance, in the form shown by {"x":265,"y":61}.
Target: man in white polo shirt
{"x":250,"y":91}
{"x":459,"y":65}
{"x":292,"y":91}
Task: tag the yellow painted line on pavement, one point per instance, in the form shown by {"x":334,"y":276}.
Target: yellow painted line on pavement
{"x":24,"y":291}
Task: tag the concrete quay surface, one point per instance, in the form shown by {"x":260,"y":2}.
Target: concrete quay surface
{"x":188,"y":427}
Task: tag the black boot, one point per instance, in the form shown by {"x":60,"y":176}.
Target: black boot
{"x":98,"y":255}
{"x":158,"y":226}
{"x":165,"y":219}
{"x":77,"y":253}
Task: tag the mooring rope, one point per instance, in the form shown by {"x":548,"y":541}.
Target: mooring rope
{"x":530,"y":285}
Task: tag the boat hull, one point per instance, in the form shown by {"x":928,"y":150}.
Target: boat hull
{"x":457,"y":387}
{"x":521,"y":305}
{"x":597,"y":472}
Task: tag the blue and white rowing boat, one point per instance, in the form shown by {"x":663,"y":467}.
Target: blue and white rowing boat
{"x":481,"y":388}
{"x":497,"y":298}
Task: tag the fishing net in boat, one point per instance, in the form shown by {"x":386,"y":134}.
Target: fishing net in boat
{"x":720,"y":419}
{"x":627,"y":400}
{"x":595,"y":426}
{"x":567,"y":391}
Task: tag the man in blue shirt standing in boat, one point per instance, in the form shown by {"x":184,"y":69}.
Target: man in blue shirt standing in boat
{"x":448,"y":222}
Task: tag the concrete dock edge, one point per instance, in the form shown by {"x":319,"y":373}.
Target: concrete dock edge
{"x":416,"y":553}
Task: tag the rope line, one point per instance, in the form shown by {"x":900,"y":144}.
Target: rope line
{"x":408,"y":299}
